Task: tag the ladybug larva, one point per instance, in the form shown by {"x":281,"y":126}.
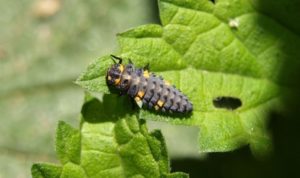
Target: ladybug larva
{"x":146,"y":88}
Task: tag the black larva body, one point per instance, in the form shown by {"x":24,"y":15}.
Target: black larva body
{"x":147,"y":89}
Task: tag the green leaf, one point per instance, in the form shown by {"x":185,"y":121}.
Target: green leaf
{"x":45,"y":170}
{"x":71,"y":170}
{"x":110,"y":144}
{"x":117,"y":144}
{"x":67,"y":143}
{"x":209,"y":50}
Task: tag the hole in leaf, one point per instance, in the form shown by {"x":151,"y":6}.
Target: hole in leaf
{"x":227,"y":102}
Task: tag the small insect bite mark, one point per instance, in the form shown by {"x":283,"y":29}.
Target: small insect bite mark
{"x":227,"y":102}
{"x":146,"y":88}
{"x":234,"y":23}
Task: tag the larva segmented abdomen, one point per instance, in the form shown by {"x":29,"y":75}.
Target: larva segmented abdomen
{"x":153,"y":92}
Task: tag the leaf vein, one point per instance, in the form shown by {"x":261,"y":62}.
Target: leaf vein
{"x":199,"y":35}
{"x":97,"y":150}
{"x":271,"y":99}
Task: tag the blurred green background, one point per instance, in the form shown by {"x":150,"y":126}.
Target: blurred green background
{"x":44,"y":46}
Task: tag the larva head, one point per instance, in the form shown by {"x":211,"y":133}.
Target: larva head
{"x":113,"y":76}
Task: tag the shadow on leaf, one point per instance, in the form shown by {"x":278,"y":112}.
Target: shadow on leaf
{"x":171,"y":115}
{"x":108,"y":108}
